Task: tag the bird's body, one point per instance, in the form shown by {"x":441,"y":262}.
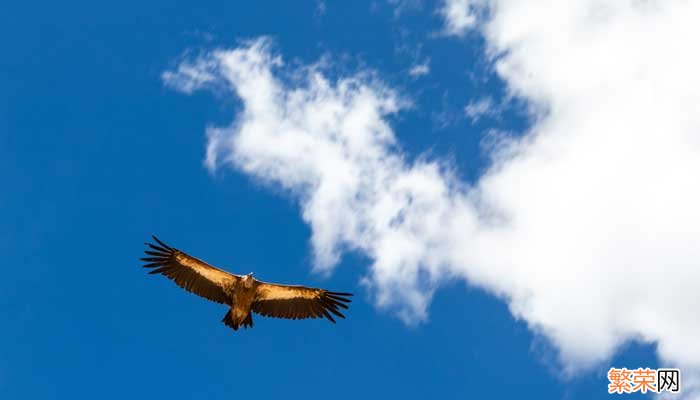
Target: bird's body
{"x":242,"y":300}
{"x":243,"y":296}
{"x":243,"y":293}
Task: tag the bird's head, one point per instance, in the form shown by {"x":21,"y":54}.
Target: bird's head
{"x":248,"y":280}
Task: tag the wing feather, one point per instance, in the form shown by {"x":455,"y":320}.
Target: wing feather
{"x":298,"y":302}
{"x":189,"y":273}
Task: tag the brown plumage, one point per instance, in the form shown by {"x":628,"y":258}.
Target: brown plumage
{"x":243,"y":293}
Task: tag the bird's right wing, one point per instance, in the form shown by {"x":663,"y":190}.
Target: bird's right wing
{"x":189,"y":273}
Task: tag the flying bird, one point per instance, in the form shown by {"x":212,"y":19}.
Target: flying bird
{"x":242,"y":293}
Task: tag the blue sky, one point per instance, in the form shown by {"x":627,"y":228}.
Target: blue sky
{"x":96,"y":154}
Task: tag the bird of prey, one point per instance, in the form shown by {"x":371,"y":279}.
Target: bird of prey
{"x":242,"y":293}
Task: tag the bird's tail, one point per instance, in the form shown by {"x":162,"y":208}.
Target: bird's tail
{"x":229,"y":321}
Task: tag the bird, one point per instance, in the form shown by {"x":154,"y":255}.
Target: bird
{"x":244,"y":294}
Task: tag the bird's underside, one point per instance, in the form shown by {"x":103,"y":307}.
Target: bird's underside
{"x":242,"y":293}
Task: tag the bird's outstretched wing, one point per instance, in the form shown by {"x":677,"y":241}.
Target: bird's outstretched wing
{"x":297,"y":302}
{"x":189,"y":273}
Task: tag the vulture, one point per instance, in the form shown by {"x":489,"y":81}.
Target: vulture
{"x":242,"y":293}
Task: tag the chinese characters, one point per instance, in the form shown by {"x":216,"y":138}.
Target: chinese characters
{"x":623,"y":380}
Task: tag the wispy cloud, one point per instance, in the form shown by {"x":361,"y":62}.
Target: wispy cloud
{"x":588,"y":226}
{"x":402,"y":6}
{"x":459,"y":15}
{"x":420,"y":69}
{"x":477,"y":109}
{"x":191,"y":76}
{"x":321,"y":8}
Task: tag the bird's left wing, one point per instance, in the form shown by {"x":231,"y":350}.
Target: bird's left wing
{"x":297,"y":302}
{"x":189,"y":273}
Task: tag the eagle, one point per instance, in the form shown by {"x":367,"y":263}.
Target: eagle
{"x":242,"y":293}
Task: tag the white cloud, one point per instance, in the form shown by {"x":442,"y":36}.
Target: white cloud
{"x":589,"y":226}
{"x":330,"y":144}
{"x":603,"y":240}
